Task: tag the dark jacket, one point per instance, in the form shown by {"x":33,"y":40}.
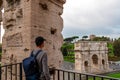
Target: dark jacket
{"x":42,"y":63}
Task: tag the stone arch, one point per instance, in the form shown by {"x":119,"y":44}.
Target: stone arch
{"x":95,"y":59}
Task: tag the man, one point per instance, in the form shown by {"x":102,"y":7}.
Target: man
{"x":41,"y":58}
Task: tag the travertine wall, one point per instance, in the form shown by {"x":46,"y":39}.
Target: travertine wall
{"x":24,"y":20}
{"x":91,"y":57}
{"x":0,"y":17}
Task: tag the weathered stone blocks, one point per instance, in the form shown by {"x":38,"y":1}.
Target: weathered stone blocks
{"x":24,"y":20}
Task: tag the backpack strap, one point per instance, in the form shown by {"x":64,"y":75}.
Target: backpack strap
{"x":37,"y":53}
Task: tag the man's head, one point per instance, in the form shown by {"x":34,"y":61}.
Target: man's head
{"x":39,"y":41}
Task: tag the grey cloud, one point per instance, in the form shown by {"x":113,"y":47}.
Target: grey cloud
{"x":104,"y":19}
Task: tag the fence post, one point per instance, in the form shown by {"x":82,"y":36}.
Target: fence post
{"x":21,"y":71}
{"x":0,"y":72}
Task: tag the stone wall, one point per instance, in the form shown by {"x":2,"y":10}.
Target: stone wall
{"x":24,"y":20}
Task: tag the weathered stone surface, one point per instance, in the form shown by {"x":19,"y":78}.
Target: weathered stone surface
{"x":14,"y":40}
{"x":24,"y":20}
{"x":1,"y":6}
{"x":91,"y":57}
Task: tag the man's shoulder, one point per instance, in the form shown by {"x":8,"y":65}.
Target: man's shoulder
{"x":41,"y":53}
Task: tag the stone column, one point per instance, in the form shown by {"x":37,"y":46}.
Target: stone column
{"x":78,"y":61}
{"x":24,"y":20}
{"x":46,"y":21}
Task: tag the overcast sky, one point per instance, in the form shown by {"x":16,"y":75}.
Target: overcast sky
{"x":85,"y":17}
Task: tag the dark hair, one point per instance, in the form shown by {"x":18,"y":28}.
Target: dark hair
{"x":39,"y":40}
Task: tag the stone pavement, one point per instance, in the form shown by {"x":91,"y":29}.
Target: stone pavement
{"x":114,"y":65}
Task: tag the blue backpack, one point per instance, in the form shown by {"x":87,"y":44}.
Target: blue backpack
{"x":30,"y":67}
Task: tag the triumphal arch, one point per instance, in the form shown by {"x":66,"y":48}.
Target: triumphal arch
{"x":91,"y":57}
{"x":23,"y":21}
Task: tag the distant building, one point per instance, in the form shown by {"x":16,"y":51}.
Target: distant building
{"x":92,"y":36}
{"x":91,"y":57}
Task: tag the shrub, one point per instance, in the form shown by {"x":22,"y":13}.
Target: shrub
{"x":0,"y":48}
{"x":0,"y":51}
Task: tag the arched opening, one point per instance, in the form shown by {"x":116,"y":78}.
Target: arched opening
{"x":86,"y":66}
{"x":95,"y":59}
{"x":86,"y":63}
{"x":103,"y":62}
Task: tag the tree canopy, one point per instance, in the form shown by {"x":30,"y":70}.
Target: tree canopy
{"x":101,"y":38}
{"x":70,"y":39}
{"x":116,"y":46}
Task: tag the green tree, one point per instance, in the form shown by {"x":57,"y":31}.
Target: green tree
{"x":84,"y":37}
{"x":101,"y":38}
{"x":70,"y":39}
{"x":75,"y":37}
{"x":110,"y":49}
{"x":66,"y":47}
{"x":116,"y":46}
{"x":0,"y":48}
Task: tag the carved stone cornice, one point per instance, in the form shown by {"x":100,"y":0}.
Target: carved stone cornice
{"x":58,"y":2}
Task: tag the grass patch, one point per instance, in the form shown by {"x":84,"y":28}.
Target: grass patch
{"x":114,"y":75}
{"x":97,"y":78}
{"x":69,"y":59}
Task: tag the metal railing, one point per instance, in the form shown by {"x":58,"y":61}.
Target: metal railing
{"x":74,"y":75}
{"x":15,"y":72}
{"x":11,"y":72}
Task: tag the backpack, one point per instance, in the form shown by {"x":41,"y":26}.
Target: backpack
{"x":30,"y":67}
